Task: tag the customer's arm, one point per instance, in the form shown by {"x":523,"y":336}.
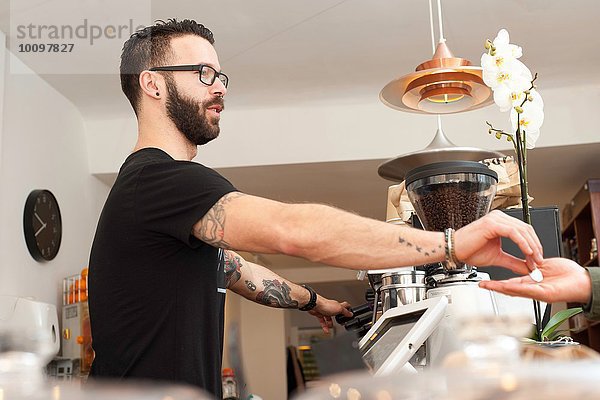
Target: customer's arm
{"x":263,"y":286}
{"x":330,"y":236}
{"x":564,"y":280}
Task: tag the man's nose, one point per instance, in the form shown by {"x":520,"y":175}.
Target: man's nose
{"x":218,"y":88}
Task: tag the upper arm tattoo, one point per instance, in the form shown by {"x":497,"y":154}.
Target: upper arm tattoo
{"x":233,"y":264}
{"x":211,"y":228}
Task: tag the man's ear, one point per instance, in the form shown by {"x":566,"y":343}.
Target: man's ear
{"x":152,"y":84}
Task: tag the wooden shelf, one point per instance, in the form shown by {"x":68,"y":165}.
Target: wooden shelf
{"x":592,"y":263}
{"x":581,"y":224}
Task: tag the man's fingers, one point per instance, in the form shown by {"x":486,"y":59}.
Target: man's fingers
{"x":345,"y":309}
{"x":512,"y":263}
{"x":538,"y":250}
{"x":525,"y":238}
{"x":516,"y":235}
{"x":531,"y":265}
{"x":328,"y":323}
{"x":522,"y":240}
{"x":527,"y":233}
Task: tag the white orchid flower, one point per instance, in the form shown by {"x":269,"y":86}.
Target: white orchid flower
{"x":491,"y":62}
{"x":514,"y":74}
{"x":503,"y":46}
{"x":498,"y":60}
{"x":506,"y":98}
{"x":530,"y":121}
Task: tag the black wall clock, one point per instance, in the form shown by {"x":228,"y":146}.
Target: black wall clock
{"x":42,"y":225}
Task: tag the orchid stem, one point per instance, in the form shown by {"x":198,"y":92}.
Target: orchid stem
{"x":522,"y":163}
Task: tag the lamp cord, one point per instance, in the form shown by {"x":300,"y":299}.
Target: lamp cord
{"x":431,"y":25}
{"x":439,"y":117}
{"x":440,"y":25}
{"x":439,"y":4}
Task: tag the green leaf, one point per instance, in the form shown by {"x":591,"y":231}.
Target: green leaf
{"x":558,"y":319}
{"x":556,"y":334}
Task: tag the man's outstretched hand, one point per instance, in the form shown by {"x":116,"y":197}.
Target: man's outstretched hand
{"x":479,"y":243}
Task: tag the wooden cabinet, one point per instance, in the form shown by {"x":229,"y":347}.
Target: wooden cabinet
{"x":581,"y":224}
{"x":581,"y":231}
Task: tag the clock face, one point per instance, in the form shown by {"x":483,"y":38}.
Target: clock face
{"x":42,"y":225}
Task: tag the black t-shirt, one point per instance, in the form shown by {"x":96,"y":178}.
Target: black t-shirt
{"x":156,"y":293}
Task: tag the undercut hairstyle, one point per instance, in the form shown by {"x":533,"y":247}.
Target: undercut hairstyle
{"x":151,"y":47}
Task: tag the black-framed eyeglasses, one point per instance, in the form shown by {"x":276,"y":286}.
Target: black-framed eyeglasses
{"x":206,"y":73}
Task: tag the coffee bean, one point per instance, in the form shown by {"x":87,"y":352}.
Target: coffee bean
{"x":450,"y":204}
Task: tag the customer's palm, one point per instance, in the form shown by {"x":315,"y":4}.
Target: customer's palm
{"x":564,"y":280}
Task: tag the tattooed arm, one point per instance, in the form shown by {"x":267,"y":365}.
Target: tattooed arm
{"x":331,"y":236}
{"x":263,"y":286}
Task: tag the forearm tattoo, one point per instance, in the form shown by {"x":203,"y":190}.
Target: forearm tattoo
{"x":276,"y":294}
{"x":233,"y":264}
{"x":211,"y":228}
{"x":250,"y":285}
{"x":419,"y":249}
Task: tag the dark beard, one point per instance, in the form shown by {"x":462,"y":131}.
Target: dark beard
{"x":189,"y":116}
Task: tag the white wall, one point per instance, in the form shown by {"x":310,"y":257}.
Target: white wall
{"x":262,"y":331}
{"x":110,"y":140}
{"x":43,"y":147}
{"x":2,"y":74}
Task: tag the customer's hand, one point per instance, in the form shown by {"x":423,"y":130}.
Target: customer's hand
{"x":479,"y":242}
{"x":325,"y":309}
{"x":564,"y":280}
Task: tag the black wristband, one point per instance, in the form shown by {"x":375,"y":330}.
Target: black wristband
{"x":312,"y":302}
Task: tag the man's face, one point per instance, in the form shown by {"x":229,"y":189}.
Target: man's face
{"x":193,"y":106}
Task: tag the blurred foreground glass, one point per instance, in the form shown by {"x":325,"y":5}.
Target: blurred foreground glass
{"x":493,"y":341}
{"x":548,"y":381}
{"x":24,"y":354}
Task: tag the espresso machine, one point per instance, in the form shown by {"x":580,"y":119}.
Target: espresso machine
{"x":449,"y":194}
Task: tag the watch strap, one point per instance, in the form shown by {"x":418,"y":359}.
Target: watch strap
{"x":312,"y":302}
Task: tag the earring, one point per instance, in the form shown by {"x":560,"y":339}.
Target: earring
{"x":158,"y":94}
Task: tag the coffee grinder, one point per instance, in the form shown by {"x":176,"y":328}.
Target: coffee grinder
{"x":452,"y":194}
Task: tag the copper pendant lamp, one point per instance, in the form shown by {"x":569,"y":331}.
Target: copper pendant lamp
{"x":443,"y":85}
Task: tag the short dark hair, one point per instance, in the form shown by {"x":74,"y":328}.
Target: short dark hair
{"x":151,"y":47}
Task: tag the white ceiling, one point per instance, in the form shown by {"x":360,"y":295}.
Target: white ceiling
{"x":285,"y":52}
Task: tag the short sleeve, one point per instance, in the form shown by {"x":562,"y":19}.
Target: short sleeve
{"x":171,"y":197}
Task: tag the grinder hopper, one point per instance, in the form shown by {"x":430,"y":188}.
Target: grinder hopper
{"x":451,"y":194}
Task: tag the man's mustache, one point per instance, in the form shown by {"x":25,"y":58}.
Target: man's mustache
{"x":217,"y":101}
